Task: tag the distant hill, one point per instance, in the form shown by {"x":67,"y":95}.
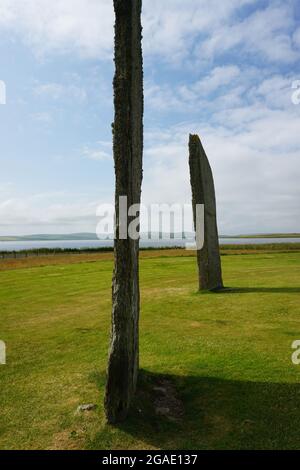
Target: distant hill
{"x":155,"y":235}
{"x":82,"y":236}
{"x":55,"y":237}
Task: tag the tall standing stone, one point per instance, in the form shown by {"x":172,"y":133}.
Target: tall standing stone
{"x":203,"y":192}
{"x":123,"y":360}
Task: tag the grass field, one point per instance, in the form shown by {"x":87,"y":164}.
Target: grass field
{"x":225,"y":359}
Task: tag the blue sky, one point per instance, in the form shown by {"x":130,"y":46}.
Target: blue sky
{"x":221,"y":69}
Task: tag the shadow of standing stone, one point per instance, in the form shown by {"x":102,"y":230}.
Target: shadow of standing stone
{"x":203,"y":192}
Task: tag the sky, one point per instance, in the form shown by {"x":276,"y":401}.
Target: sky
{"x":225,"y":70}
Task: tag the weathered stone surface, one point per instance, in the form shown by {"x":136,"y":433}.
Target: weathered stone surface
{"x":128,"y":149}
{"x":203,"y":192}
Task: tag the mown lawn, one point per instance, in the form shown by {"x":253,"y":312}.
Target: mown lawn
{"x":227,"y":356}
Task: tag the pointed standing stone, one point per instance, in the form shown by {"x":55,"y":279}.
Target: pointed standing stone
{"x":123,"y":360}
{"x":203,"y":191}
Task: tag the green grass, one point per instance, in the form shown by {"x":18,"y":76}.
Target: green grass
{"x":228,"y":355}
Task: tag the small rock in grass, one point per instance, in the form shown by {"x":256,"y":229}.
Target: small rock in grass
{"x":88,"y":407}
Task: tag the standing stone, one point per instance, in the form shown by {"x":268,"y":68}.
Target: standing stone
{"x":203,"y":191}
{"x":123,"y":360}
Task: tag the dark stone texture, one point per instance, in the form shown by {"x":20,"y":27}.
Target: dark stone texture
{"x":203,"y":192}
{"x":123,"y":360}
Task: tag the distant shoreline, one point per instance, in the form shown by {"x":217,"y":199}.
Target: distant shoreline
{"x":93,"y":237}
{"x":262,"y":236}
{"x":225,"y":249}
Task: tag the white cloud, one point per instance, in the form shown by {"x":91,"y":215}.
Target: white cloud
{"x":171,"y":26}
{"x":58,"y":91}
{"x":244,"y":114}
{"x":173,"y":29}
{"x":99,"y":153}
{"x":61,"y":26}
{"x":47,"y":212}
{"x":266,"y":32}
{"x":254,"y":152}
{"x":224,"y":89}
{"x":228,"y":82}
{"x":296,"y":38}
{"x":164,"y":97}
{"x":42,"y":117}
{"x":275,"y":91}
{"x":218,"y":77}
